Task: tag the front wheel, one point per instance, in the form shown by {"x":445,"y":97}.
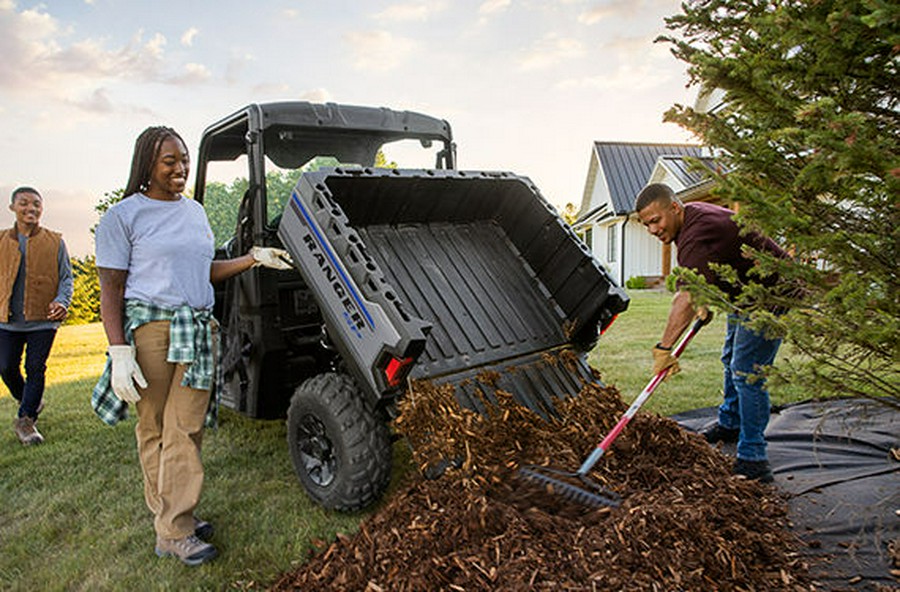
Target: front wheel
{"x":339,"y":443}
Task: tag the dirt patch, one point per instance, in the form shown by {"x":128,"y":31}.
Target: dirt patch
{"x":684,"y":522}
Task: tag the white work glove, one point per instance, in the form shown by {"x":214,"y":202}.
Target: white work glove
{"x":272,"y":258}
{"x":126,"y":372}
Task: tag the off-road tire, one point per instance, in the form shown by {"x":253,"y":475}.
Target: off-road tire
{"x":339,"y":443}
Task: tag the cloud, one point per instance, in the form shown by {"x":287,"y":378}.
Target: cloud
{"x":236,"y":65}
{"x":97,"y":102}
{"x":378,"y":50}
{"x":551,"y":50}
{"x":635,"y":45}
{"x":621,"y":9}
{"x":597,"y":14}
{"x":187,"y":38}
{"x":316,"y":95}
{"x":493,"y":6}
{"x":270,"y":89}
{"x":25,"y":39}
{"x":627,"y":77}
{"x":411,"y":11}
{"x":489,"y":8}
{"x":37,"y":61}
{"x":70,"y":112}
{"x":191,"y":75}
{"x":630,"y":63}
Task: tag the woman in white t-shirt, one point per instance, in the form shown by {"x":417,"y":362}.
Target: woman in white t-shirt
{"x":155,"y":261}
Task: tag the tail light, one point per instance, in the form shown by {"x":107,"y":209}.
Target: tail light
{"x":609,"y":324}
{"x":396,"y":370}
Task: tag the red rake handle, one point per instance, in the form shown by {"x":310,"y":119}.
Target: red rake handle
{"x":603,"y":446}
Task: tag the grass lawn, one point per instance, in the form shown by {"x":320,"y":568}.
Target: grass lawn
{"x":624,"y":360}
{"x":72,"y":515}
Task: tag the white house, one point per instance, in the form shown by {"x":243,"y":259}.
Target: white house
{"x":607,"y":221}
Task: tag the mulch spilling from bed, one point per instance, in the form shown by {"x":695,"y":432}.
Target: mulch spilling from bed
{"x":684,"y":522}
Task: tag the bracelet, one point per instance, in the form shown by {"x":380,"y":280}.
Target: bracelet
{"x":659,"y":345}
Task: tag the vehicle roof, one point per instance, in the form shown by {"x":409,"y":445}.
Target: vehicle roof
{"x":293,"y":131}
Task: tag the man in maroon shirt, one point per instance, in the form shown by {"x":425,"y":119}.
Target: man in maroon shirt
{"x":703,"y":234}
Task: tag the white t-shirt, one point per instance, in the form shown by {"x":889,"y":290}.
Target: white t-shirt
{"x":167,"y":247}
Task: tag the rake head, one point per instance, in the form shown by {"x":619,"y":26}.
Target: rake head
{"x":572,"y":487}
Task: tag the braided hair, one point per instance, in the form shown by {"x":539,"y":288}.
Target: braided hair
{"x":146,"y":150}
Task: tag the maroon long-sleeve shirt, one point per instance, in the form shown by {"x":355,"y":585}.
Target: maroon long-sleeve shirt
{"x":710,"y":235}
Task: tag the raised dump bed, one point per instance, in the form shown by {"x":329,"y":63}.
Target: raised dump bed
{"x":450,"y":276}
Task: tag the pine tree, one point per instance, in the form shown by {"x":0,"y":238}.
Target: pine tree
{"x":809,"y":131}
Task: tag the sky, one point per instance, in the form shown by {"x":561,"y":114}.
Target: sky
{"x":527,"y":85}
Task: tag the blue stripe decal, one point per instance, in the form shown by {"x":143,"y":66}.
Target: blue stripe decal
{"x":333,"y":258}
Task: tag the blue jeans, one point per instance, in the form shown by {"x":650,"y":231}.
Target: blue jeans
{"x":30,"y":390}
{"x":746,"y":402}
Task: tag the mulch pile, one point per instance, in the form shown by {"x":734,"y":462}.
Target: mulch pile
{"x":684,"y":522}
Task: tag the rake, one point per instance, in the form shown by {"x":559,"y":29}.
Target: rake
{"x":590,"y":493}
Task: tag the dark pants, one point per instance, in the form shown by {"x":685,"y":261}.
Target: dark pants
{"x":27,"y":391}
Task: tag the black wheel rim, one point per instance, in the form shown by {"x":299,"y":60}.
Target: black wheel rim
{"x":316,"y":451}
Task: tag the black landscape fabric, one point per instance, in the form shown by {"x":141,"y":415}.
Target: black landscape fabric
{"x":838,"y":460}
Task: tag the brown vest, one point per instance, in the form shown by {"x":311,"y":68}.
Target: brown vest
{"x":41,"y":271}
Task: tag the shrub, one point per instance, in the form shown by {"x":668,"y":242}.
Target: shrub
{"x":636,"y":283}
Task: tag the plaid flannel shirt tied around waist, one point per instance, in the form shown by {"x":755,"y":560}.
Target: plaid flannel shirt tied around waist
{"x":191,"y":342}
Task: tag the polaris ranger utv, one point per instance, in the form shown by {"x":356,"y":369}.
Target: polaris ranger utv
{"x":428,"y":273}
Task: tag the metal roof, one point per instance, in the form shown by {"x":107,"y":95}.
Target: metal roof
{"x":687,"y":173}
{"x":627,"y":166}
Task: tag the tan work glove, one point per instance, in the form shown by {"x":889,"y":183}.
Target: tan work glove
{"x":125,"y":373}
{"x":664,"y":360}
{"x":704,"y":315}
{"x":271,"y":258}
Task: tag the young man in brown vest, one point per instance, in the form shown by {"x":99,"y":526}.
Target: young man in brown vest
{"x":35,"y":293}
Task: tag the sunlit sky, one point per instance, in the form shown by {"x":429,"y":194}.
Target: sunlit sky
{"x":527,"y":85}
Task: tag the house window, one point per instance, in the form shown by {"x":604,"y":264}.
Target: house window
{"x":612,"y":240}
{"x":589,"y":238}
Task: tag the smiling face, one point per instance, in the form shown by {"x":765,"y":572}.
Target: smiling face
{"x":27,"y":207}
{"x":168,"y":176}
{"x":663,"y":219}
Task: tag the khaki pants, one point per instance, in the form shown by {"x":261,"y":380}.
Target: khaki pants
{"x":169,"y":434}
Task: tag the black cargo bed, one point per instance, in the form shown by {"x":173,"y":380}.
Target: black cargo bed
{"x":488,"y":310}
{"x":476,"y":268}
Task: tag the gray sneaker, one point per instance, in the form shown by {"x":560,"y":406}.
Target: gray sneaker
{"x":26,"y":432}
{"x":190,"y":550}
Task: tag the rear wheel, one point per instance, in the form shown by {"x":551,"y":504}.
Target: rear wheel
{"x":339,"y":443}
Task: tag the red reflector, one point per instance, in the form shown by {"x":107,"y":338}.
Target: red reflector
{"x":395,"y":370}
{"x":608,"y":325}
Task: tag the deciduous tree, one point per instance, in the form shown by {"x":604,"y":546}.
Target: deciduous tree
{"x":85,"y":306}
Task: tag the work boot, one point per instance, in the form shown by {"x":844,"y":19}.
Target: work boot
{"x":754,"y":469}
{"x":203,"y":530}
{"x":26,"y":432}
{"x":189,"y":550}
{"x":717,"y":433}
